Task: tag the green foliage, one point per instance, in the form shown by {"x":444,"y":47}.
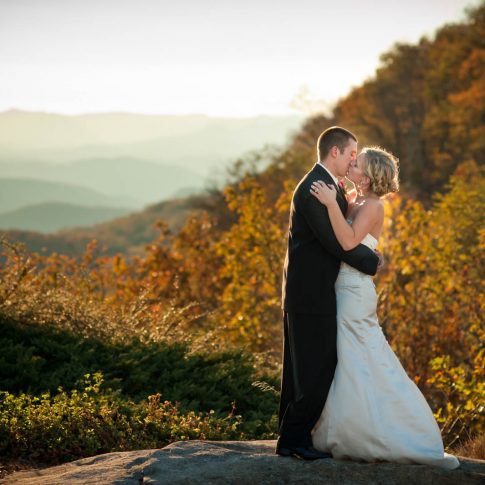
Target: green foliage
{"x":463,"y":389}
{"x":35,"y":359}
{"x":86,"y":422}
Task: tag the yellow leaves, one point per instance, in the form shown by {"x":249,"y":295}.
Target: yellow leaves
{"x":464,"y":391}
{"x":431,"y":292}
{"x":469,"y":406}
{"x":252,"y":252}
{"x":283,"y":203}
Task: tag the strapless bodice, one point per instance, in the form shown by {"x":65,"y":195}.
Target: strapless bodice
{"x":370,"y":241}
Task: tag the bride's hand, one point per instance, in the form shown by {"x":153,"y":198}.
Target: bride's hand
{"x":326,"y":194}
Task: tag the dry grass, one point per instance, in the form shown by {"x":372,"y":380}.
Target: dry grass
{"x":473,"y":448}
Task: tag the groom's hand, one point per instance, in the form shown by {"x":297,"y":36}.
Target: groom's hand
{"x":381,"y":262}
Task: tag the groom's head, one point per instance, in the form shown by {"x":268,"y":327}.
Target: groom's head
{"x":337,"y":147}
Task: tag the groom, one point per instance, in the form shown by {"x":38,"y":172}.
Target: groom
{"x":310,"y":325}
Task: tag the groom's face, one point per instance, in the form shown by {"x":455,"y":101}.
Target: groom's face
{"x":345,"y":158}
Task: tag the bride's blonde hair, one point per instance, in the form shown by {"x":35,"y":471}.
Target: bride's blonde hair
{"x":382,"y":168}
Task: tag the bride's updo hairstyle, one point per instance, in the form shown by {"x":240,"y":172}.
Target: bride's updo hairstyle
{"x":382,"y":168}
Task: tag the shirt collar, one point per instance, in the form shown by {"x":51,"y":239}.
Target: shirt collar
{"x":335,"y":179}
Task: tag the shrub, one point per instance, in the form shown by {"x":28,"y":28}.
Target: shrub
{"x":86,"y":422}
{"x":39,"y":358}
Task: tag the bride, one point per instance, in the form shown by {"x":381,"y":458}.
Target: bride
{"x":373,"y":410}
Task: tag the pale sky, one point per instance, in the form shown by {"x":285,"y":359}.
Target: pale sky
{"x":217,"y":57}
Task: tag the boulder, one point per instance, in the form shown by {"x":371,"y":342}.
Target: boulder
{"x":239,"y":462}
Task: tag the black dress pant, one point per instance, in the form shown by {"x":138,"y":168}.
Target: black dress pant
{"x":309,"y":362}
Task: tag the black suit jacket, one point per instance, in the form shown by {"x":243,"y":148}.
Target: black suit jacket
{"x":313,"y":256}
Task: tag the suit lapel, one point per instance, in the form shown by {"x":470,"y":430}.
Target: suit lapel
{"x":341,"y":199}
{"x":344,"y":198}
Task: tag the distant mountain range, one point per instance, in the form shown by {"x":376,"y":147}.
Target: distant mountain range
{"x":127,"y":234}
{"x":119,"y":160}
{"x":60,"y":171}
{"x":43,"y":206}
{"x":125,"y":182}
{"x":198,"y":143}
{"x":16,"y":193}
{"x":53,"y":216}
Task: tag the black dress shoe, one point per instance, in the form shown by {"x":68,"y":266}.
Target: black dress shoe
{"x":303,"y":452}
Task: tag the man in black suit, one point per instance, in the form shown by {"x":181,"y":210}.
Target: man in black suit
{"x":310,"y":324}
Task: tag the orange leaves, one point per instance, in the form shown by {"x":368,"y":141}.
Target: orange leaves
{"x":426,"y":104}
{"x":252,"y":251}
{"x":432,"y":294}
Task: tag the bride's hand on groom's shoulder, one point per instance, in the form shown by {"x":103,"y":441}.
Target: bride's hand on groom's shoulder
{"x":326,"y":194}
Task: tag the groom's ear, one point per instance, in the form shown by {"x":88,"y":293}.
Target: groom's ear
{"x":334,"y":151}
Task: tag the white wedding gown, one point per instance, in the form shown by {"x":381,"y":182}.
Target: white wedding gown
{"x":373,"y":410}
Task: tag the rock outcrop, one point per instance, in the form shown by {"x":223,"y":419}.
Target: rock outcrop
{"x":239,"y":462}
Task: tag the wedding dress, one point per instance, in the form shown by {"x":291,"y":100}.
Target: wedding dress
{"x":374,"y":411}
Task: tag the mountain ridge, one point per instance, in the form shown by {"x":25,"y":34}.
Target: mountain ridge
{"x":49,"y":217}
{"x":30,"y":131}
{"x":18,"y":192}
{"x":131,"y":182}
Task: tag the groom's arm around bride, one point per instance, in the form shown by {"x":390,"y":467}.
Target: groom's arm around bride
{"x":314,"y":254}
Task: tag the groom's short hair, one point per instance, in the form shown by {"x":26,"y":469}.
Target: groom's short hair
{"x":331,"y":137}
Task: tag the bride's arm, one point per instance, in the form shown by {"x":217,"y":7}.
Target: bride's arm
{"x":349,"y":236}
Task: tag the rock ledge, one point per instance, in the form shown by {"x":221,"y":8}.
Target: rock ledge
{"x":239,"y":462}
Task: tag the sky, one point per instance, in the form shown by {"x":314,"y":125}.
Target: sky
{"x":215,"y":57}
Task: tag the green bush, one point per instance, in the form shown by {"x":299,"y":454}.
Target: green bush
{"x":38,"y":359}
{"x":35,"y":358}
{"x":83,"y":423}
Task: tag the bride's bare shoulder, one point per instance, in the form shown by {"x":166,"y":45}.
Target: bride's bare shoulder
{"x":374,"y":203}
{"x":373,"y":208}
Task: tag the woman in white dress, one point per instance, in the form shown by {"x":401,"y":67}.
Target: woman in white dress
{"x":373,"y":411}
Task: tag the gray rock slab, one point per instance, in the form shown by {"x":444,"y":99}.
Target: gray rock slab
{"x":239,"y":462}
